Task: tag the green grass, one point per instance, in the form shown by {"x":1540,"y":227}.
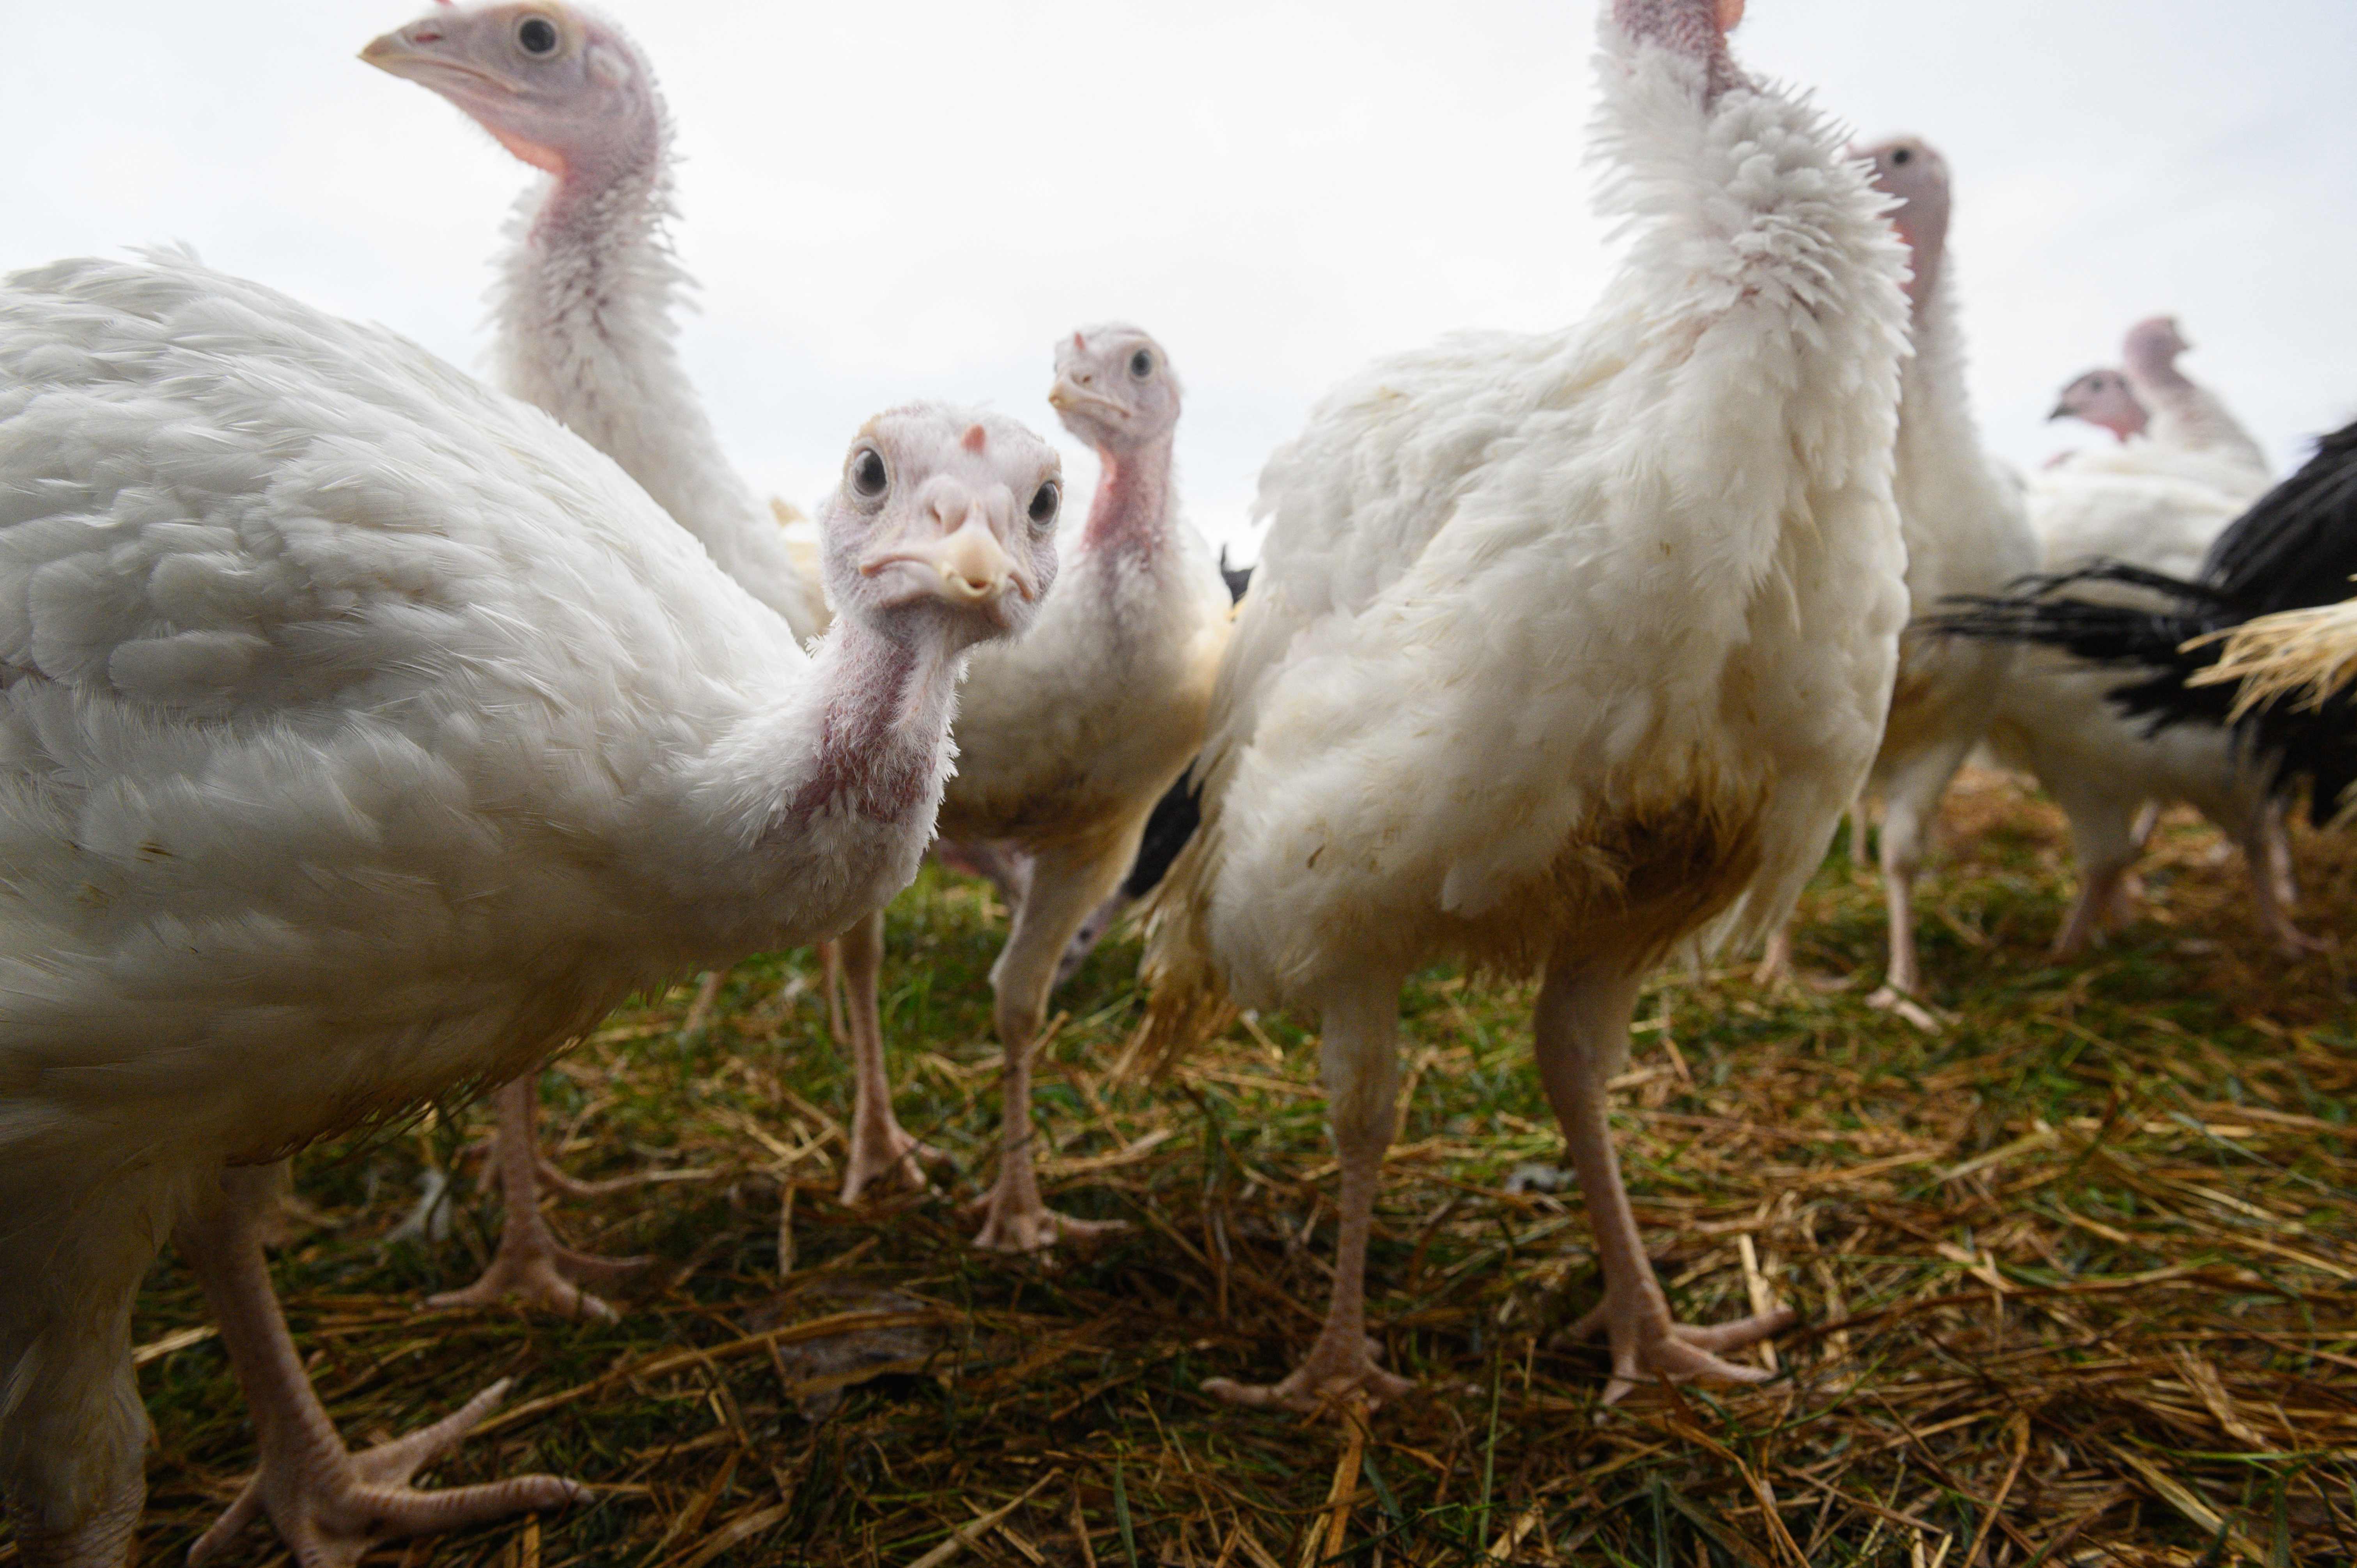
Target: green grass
{"x":2128,"y":1333}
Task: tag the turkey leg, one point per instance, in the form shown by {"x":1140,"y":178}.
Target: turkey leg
{"x":1581,"y":1032}
{"x":2266,"y":850}
{"x":330,"y":1505}
{"x":881,"y":1149}
{"x":73,"y":1437}
{"x":531,"y":1263}
{"x":1066,"y":884}
{"x":1358,"y":1060}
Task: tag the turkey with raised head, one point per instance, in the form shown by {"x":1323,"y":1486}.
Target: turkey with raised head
{"x":1565,"y":650}
{"x":1965,"y":534}
{"x":585,"y":317}
{"x":2157,"y":503}
{"x":2245,"y":649}
{"x":1069,"y":738}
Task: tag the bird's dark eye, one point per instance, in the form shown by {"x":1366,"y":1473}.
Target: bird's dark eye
{"x":1141,"y":364}
{"x":868,"y":475}
{"x":536,"y":36}
{"x":1044,"y":502}
{"x":1901,"y":157}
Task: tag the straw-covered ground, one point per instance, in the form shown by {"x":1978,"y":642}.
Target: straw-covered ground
{"x":2079,"y":1270}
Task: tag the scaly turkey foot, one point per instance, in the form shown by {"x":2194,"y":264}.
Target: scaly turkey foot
{"x":1649,"y":1346}
{"x":1017,"y":1223}
{"x":2295,"y":943}
{"x":535,"y":1269}
{"x":889,"y":1154}
{"x":1337,"y":1369}
{"x":331,"y":1506}
{"x":1775,"y":964}
{"x":554,"y":1177}
{"x":573,"y":1187}
{"x":1889,"y":999}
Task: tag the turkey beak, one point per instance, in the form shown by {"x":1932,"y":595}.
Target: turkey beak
{"x":2061,"y":411}
{"x":410,"y":53}
{"x":395,"y":52}
{"x":1067,"y":397}
{"x":972,"y":563}
{"x":965,"y":563}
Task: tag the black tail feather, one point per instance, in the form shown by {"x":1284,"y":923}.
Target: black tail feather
{"x":1175,"y":817}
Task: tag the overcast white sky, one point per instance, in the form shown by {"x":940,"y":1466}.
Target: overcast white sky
{"x":886,"y":201}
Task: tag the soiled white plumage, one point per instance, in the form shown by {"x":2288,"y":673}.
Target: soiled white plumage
{"x":2154,"y":503}
{"x":1523,"y":592}
{"x":364,"y":733}
{"x":1564,"y":648}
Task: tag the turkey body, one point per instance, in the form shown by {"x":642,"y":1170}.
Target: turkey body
{"x":1067,"y":738}
{"x":2178,"y":632}
{"x":1564,"y":649}
{"x":366,"y":735}
{"x":284,"y":768}
{"x":586,"y":312}
{"x":1966,"y":532}
{"x":1961,"y":519}
{"x":2159,"y":507}
{"x":1051,"y":744}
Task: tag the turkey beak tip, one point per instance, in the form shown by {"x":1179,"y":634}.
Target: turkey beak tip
{"x":974,"y":566}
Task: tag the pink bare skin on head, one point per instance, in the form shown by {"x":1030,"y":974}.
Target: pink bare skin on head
{"x":2103,"y":398}
{"x":943,"y":529}
{"x":1911,"y":169}
{"x":2151,"y":355}
{"x":557,"y":86}
{"x":2150,"y":351}
{"x":1695,"y":28}
{"x":1115,"y":390}
{"x":2185,"y":414}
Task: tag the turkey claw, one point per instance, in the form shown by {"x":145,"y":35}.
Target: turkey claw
{"x":331,"y":1508}
{"x":1330,"y":1380}
{"x":546,"y":1280}
{"x":1649,"y":1347}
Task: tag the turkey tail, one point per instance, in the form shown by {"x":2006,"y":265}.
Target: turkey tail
{"x":1180,"y":811}
{"x":2163,"y":634}
{"x":2309,"y":656}
{"x":2202,"y":663}
{"x":1186,"y":1003}
{"x":1175,"y":819}
{"x":2291,"y":679}
{"x":1238,"y":578}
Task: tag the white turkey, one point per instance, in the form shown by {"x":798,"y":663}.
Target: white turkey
{"x":367,"y":736}
{"x":2104,"y":399}
{"x":1965,"y":534}
{"x":2156,"y":501}
{"x":1167,"y":828}
{"x":2249,"y":645}
{"x":1067,"y":738}
{"x":2185,"y":416}
{"x":584,"y":315}
{"x":1565,"y":650}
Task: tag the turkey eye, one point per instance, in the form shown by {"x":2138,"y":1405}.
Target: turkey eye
{"x":1043,"y":503}
{"x":1141,"y":364}
{"x":536,"y":36}
{"x":1900,"y":157}
{"x":868,"y":475}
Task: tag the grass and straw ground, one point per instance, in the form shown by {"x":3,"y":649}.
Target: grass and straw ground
{"x":2080,"y":1270}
